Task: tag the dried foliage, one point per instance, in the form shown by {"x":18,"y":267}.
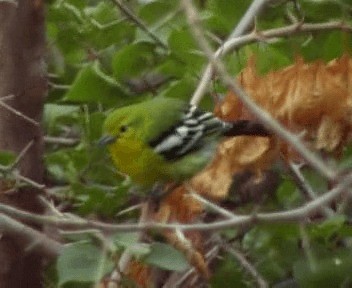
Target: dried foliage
{"x":310,"y":99}
{"x":140,"y":273}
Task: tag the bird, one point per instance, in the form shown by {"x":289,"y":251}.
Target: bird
{"x":166,"y":140}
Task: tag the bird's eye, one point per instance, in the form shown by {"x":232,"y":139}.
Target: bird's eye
{"x":123,"y":128}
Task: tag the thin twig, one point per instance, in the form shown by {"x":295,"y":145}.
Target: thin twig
{"x":126,"y":256}
{"x":61,"y":140}
{"x":300,"y":181}
{"x":129,"y":209}
{"x":286,"y":31}
{"x":248,"y":18}
{"x":50,"y":207}
{"x":249,"y":267}
{"x":28,"y":181}
{"x":181,"y":279}
{"x":18,"y":113}
{"x":7,"y":97}
{"x":307,"y":247}
{"x":21,"y":154}
{"x":246,"y":21}
{"x":58,"y":86}
{"x":125,"y":259}
{"x":130,"y":15}
{"x":10,"y":169}
{"x":20,"y":178}
{"x":213,"y":206}
{"x":107,"y":249}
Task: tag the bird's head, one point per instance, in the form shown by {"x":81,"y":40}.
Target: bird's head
{"x":120,"y":124}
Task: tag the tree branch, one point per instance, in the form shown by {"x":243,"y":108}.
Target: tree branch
{"x":300,"y":214}
{"x":235,"y":42}
{"x":263,"y":116}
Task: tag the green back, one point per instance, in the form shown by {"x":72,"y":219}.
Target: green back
{"x":148,"y":119}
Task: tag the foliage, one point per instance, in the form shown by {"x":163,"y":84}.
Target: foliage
{"x":99,"y":59}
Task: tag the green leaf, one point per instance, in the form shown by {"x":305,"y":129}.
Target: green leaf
{"x":288,"y":195}
{"x":185,"y":49}
{"x":166,"y":257}
{"x":7,"y":157}
{"x":82,"y":262}
{"x":334,"y":45}
{"x":225,"y":14}
{"x":100,"y":169}
{"x":80,"y":4}
{"x":331,"y":270}
{"x":130,"y":241}
{"x":60,"y":166}
{"x":99,"y":200}
{"x":326,"y":46}
{"x":316,"y":181}
{"x":319,"y":11}
{"x":274,"y":248}
{"x":126,"y":239}
{"x":267,"y":57}
{"x":106,"y":27}
{"x":55,"y":114}
{"x":273,"y":18}
{"x":93,"y":86}
{"x":181,"y":89}
{"x":228,"y":271}
{"x":329,"y":228}
{"x":66,"y":23}
{"x":172,"y":67}
{"x":161,"y":18}
{"x":133,"y":60}
{"x":94,"y":126}
{"x":160,"y":8}
{"x":103,"y":12}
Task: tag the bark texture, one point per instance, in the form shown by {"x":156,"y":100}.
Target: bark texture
{"x":22,"y":74}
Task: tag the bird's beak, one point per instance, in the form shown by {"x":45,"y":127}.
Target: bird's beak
{"x":105,"y":140}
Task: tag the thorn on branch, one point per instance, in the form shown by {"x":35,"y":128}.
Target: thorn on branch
{"x":61,"y":140}
{"x":16,"y":112}
{"x":21,"y":154}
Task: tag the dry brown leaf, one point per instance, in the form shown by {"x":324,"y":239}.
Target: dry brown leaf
{"x":140,"y":273}
{"x":190,"y":246}
{"x":234,"y":155}
{"x":312,"y":99}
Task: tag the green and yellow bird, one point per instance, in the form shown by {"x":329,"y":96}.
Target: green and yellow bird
{"x":164,"y":140}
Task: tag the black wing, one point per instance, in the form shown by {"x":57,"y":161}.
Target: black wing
{"x":188,"y":134}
